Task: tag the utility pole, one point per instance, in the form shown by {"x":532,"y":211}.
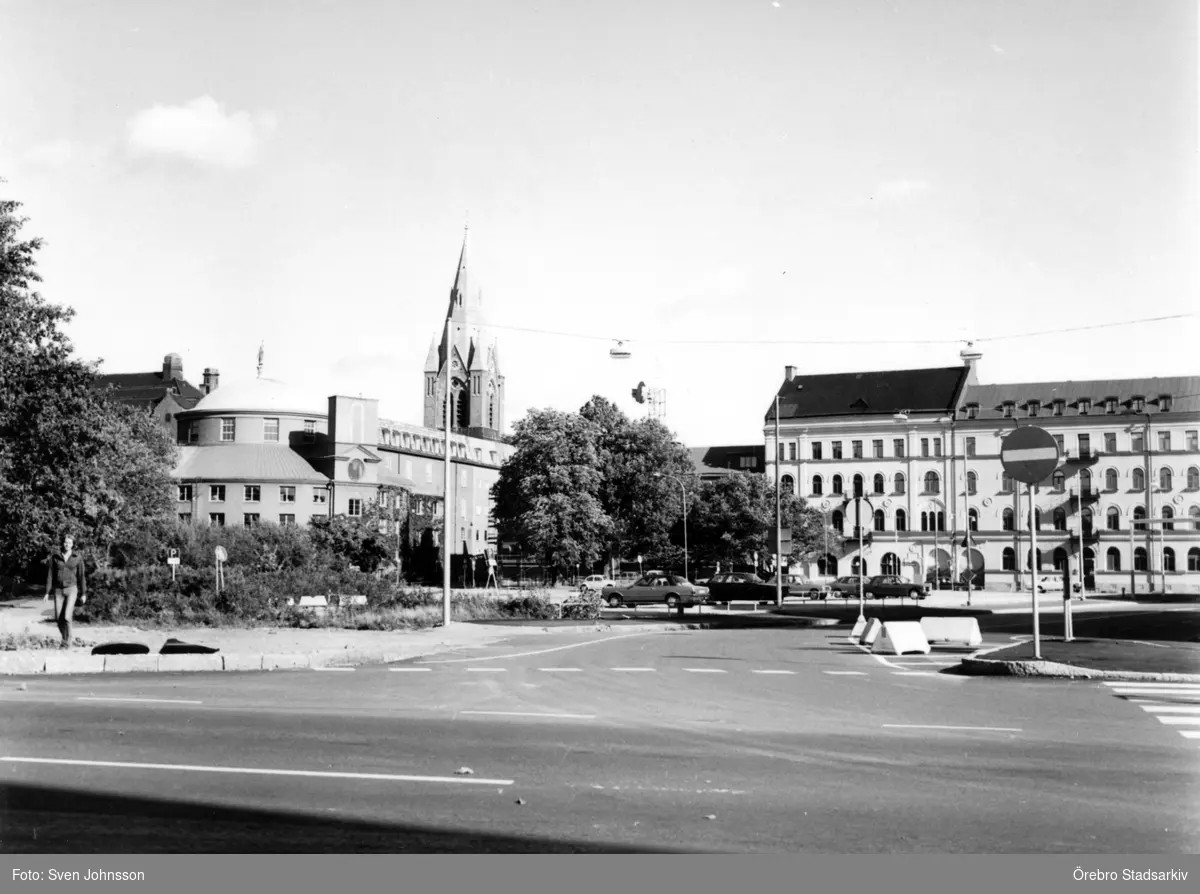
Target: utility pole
{"x":778,"y":512}
{"x":447,"y":502}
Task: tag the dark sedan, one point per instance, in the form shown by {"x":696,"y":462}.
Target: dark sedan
{"x":734,"y":586}
{"x":883,"y":586}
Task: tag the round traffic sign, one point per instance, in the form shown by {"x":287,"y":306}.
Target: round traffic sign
{"x":1029,"y":454}
{"x":221,"y":554}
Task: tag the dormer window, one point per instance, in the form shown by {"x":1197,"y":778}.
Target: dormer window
{"x":972,"y":411}
{"x":1164,"y":403}
{"x":1034,"y":406}
{"x":1085,"y":406}
{"x":1058,"y":407}
{"x":1110,"y":405}
{"x":1008,"y":408}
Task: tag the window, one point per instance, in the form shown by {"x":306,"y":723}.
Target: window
{"x":1037,"y":518}
{"x":1110,"y":406}
{"x":193,"y":433}
{"x":856,"y":449}
{"x":1029,"y":558}
{"x":1193,"y":478}
{"x":1138,"y":404}
{"x":787,"y":484}
{"x":1164,"y":440}
{"x":270,"y":429}
{"x":1137,"y":441}
{"x":932,"y":485}
{"x":1007,"y":522}
{"x":216,"y":493}
{"x":185,"y":493}
{"x":972,"y":483}
{"x":969,"y":446}
{"x":1164,"y":479}
{"x":877,"y":448}
{"x":320,"y":495}
{"x":973,"y":519}
{"x":1167,"y":513}
{"x":858,"y":485}
{"x":837,"y":449}
{"x":1085,"y":522}
{"x":937,"y":446}
{"x":1112,"y":559}
{"x":1034,"y":406}
{"x":1139,"y":513}
{"x":1164,"y":403}
{"x":838,"y":522}
{"x":1009,"y":559}
{"x":1192,"y":443}
{"x":924,"y":446}
{"x":816,"y":449}
{"x":310,"y":430}
{"x":1058,"y":407}
{"x":1085,"y":445}
{"x":185,"y":517}
{"x":1139,"y":479}
{"x":879,"y":520}
{"x":1062,"y":445}
{"x":1168,"y":559}
{"x":354,"y":508}
{"x":228,"y":427}
{"x":1060,"y":519}
{"x":1085,"y":483}
{"x":1194,"y":559}
{"x":1059,"y":480}
{"x":878,"y":484}
{"x":901,"y":520}
{"x":925,"y":521}
{"x":250,"y":519}
{"x":287,"y":520}
{"x":1112,"y":519}
{"x":1110,"y":479}
{"x":1139,"y":559}
{"x":217,"y":518}
{"x":898,"y":447}
{"x":1085,"y":406}
{"x":972,"y":411}
{"x":791,"y":452}
{"x":1006,"y":482}
{"x":251,"y":493}
{"x":779,"y":451}
{"x":1110,"y":442}
{"x":898,"y":483}
{"x":1008,"y":408}
{"x":1060,"y":558}
{"x":837,"y":484}
{"x":816,"y":485}
{"x":287,"y":493}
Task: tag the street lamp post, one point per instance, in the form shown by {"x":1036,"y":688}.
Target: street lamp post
{"x":683,"y":494}
{"x":447,"y":501}
{"x":778,"y":514}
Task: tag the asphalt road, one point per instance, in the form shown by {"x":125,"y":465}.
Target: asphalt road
{"x":715,"y":741}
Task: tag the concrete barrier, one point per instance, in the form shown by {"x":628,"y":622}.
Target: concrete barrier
{"x":859,"y":626}
{"x":168,"y":663}
{"x":874,"y":625}
{"x":958,"y":631}
{"x":313,"y":602}
{"x":74,"y":664}
{"x":901,"y":637}
{"x":118,"y":664}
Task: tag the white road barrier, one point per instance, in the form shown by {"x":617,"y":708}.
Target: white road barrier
{"x":874,"y":625}
{"x":901,"y":637}
{"x":959,"y":631}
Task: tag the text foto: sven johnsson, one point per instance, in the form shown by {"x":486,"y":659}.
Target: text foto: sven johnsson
{"x":88,"y":875}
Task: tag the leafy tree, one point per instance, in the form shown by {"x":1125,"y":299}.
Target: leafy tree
{"x":546,"y":496}
{"x":363,"y":541}
{"x":69,"y":458}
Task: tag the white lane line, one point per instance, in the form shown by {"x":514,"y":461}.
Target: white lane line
{"x":256,"y":771}
{"x":1131,"y":684}
{"x":772,"y":672}
{"x":1172,"y":709}
{"x":560,"y":670}
{"x":530,"y":714}
{"x":1190,"y":733}
{"x":635,"y":670}
{"x":409,"y":670}
{"x":846,"y":673}
{"x":704,"y":670}
{"x":914,"y":674}
{"x":346,"y":669}
{"x":594,"y":642}
{"x":1179,"y":721}
{"x":1154,"y":690}
{"x":168,"y":701}
{"x":990,"y":729}
{"x":487,"y":670}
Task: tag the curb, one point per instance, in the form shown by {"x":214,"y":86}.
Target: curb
{"x":978,"y":666}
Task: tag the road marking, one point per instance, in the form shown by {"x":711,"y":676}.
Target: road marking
{"x":704,"y":670}
{"x":1172,"y":709}
{"x":487,"y":670}
{"x":772,"y":672}
{"x":1127,"y":684}
{"x":564,"y":670}
{"x":1180,"y":721}
{"x":256,"y":771}
{"x":593,"y":642}
{"x":347,"y":669}
{"x":409,"y":670}
{"x":990,"y":729}
{"x":914,"y":674}
{"x":1190,"y":733}
{"x":169,"y":701}
{"x":635,"y":670}
{"x":530,"y":714}
{"x":846,"y":673}
{"x":1153,"y":690}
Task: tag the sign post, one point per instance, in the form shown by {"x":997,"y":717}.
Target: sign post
{"x":221,"y":556}
{"x":860,"y":504}
{"x":172,"y":560}
{"x":1030,"y":455}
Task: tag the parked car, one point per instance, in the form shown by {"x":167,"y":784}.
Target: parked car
{"x":1049,"y":583}
{"x":728,"y":586}
{"x":882,"y":586}
{"x":594,"y":583}
{"x":672,"y":589}
{"x":803,"y":586}
{"x":845,"y":587}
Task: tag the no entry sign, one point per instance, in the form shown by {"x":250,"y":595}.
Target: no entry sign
{"x":1029,"y":454}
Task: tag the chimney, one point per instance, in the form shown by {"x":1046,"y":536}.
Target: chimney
{"x":970,"y":357}
{"x":211,"y":376}
{"x":172,"y":367}
{"x":789,"y":372}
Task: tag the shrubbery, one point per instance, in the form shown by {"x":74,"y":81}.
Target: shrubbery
{"x":583,"y":607}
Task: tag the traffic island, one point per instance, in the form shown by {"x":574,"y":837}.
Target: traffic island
{"x":1091,"y":659}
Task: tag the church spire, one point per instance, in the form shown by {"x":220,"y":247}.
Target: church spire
{"x":459,"y":291}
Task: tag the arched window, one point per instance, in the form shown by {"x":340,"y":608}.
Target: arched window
{"x":1168,"y":559}
{"x":827,"y":565}
{"x":1060,"y":558}
{"x":1085,"y":482}
{"x":1037,"y":518}
{"x":1139,"y":559}
{"x":890,"y":564}
{"x":941,"y":521}
{"x":1059,"y":480}
{"x":901,"y":520}
{"x":1085,"y":519}
{"x":858,"y":565}
{"x":1139,"y":512}
{"x":1168,"y":512}
{"x":1009,"y":559}
{"x":1008,"y":520}
{"x":787,"y":484}
{"x":1112,"y":559}
{"x":816,"y":485}
{"x":1006,"y":483}
{"x":878,"y":519}
{"x":858,"y":485}
{"x":837,"y":484}
{"x":1029,"y":558}
{"x":972,"y":483}
{"x":1139,"y":479}
{"x":1110,"y":479}
{"x":838,"y":524}
{"x":924,"y":521}
{"x":1194,"y":559}
{"x":973,"y":519}
{"x":462,"y":410}
{"x":1193,"y":478}
{"x":879,"y":485}
{"x":1060,"y":519}
{"x":932,"y":485}
{"x":899,"y":483}
{"x":1164,"y":478}
{"x":1113,"y":518}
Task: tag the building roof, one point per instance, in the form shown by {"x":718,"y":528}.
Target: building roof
{"x":1184,"y":392}
{"x":148,"y":387}
{"x":870,"y":393}
{"x":244,"y":462}
{"x":262,"y":395}
{"x":713,"y":460}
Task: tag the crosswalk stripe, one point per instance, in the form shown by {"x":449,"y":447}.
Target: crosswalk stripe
{"x":1190,"y":733}
{"x":1172,"y":709}
{"x":1179,"y":721}
{"x":1164,"y":683}
{"x":631,"y":670}
{"x":772,"y":672}
{"x":704,"y":670}
{"x":846,"y":673}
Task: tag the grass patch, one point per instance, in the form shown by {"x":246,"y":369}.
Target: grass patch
{"x":24,"y":642}
{"x":422,"y":609}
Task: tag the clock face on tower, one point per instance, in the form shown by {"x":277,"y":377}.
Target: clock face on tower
{"x":356,"y":469}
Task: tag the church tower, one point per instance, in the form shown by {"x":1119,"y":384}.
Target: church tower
{"x":476,"y":385}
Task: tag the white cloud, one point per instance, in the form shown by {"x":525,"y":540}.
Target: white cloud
{"x":200,"y":131}
{"x":899,"y":190}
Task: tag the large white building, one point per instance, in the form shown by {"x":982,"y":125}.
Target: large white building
{"x":922,"y":446}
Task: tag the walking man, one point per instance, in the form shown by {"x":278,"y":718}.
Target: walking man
{"x":65,"y":578}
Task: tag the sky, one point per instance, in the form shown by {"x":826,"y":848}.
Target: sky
{"x":728,"y":187}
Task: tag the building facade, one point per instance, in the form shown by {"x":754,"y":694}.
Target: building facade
{"x":163,"y":393}
{"x":922,"y":448}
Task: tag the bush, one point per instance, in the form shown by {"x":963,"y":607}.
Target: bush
{"x":534,"y":606}
{"x":583,"y":607}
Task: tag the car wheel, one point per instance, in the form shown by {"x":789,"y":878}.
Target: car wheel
{"x":672,"y":601}
{"x":916,"y":594}
{"x":614,"y":601}
{"x":814,"y":594}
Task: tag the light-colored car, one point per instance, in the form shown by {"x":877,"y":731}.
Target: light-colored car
{"x":656,"y":587}
{"x":594,"y":583}
{"x":1049,"y":583}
